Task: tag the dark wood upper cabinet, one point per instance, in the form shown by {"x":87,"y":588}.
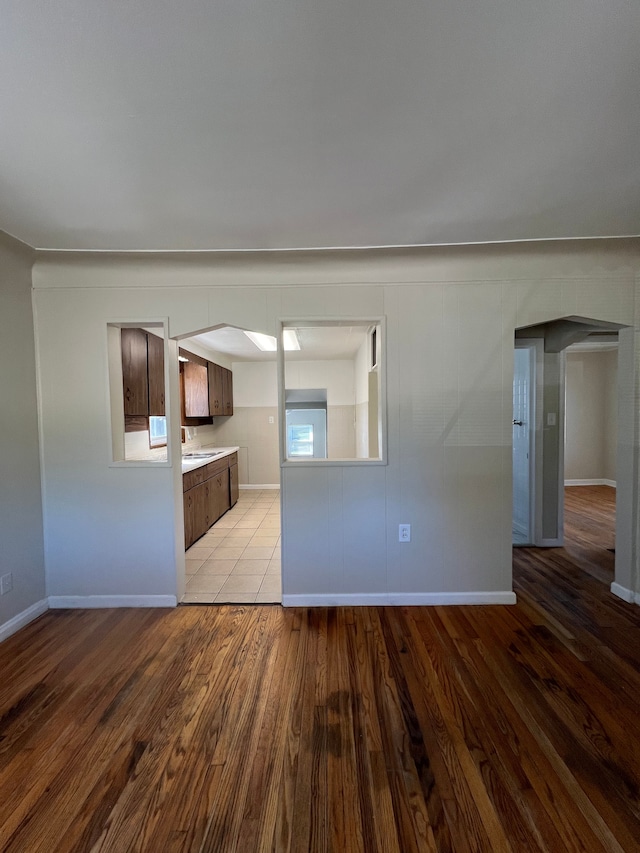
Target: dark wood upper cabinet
{"x":196,"y":390}
{"x":155,"y":352}
{"x":207,"y":388}
{"x":215,"y":389}
{"x":220,"y":390}
{"x":227,"y":391}
{"x":135,"y":383}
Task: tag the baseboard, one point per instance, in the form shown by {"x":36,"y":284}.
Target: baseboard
{"x":22,"y":619}
{"x":392,"y":599}
{"x":611,"y":483}
{"x":259,"y":485}
{"x":57,"y":602}
{"x":549,"y":543}
{"x":625,"y":594}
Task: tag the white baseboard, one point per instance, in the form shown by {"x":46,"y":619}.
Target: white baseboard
{"x":57,"y":602}
{"x":549,"y":543}
{"x":22,"y":619}
{"x":259,"y":485}
{"x":611,"y":483}
{"x":379,"y":599}
{"x":625,"y":594}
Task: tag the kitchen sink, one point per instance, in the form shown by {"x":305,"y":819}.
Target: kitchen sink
{"x":201,"y":455}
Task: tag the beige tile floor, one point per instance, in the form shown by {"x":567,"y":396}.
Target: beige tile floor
{"x":238,"y":560}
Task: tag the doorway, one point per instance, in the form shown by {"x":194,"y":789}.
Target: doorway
{"x":236,"y":556}
{"x":591,"y":439}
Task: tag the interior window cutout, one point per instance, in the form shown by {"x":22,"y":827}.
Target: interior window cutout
{"x":343,"y":420}
{"x":137,"y":389}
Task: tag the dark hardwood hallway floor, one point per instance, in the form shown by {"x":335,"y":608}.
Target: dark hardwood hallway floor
{"x":249,"y":728}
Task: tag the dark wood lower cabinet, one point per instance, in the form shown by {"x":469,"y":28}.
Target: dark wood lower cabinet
{"x":219,"y":494}
{"x":196,"y":512}
{"x":207,"y":496}
{"x":234,"y":487}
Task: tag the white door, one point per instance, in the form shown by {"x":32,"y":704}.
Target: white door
{"x":523,"y":387}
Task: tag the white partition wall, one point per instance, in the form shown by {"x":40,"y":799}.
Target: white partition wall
{"x":450,"y":321}
{"x":21,"y":545}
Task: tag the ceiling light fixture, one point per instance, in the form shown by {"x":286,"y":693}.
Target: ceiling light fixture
{"x":267,"y":343}
{"x":290,"y":339}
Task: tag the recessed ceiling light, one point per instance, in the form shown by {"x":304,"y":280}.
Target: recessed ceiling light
{"x":290,"y":339}
{"x":267,"y":343}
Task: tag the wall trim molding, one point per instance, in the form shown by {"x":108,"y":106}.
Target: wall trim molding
{"x":602,"y":482}
{"x":420,"y":599}
{"x":57,"y":602}
{"x":21,"y":619}
{"x":259,"y":485}
{"x":625,"y":594}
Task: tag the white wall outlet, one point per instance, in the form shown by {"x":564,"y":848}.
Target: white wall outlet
{"x":271,"y":419}
{"x":551,"y":418}
{"x":6,"y":583}
{"x":404,"y":533}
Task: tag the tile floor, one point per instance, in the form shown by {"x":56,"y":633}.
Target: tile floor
{"x":238,"y":560}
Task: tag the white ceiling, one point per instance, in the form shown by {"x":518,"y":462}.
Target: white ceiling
{"x":151,"y":124}
{"x":323,"y":343}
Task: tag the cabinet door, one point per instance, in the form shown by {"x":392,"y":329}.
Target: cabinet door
{"x":135,"y":384}
{"x":196,"y":513}
{"x":234,"y":488}
{"x":227,"y":391}
{"x":215,"y":389}
{"x":220,"y":489}
{"x":155,"y":367}
{"x":222,"y":483}
{"x":188,"y":505}
{"x":196,"y":390}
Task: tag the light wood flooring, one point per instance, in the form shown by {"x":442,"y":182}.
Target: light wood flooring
{"x":253,"y":728}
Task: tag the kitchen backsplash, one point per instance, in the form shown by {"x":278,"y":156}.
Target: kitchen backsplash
{"x":136,"y":445}
{"x":254,"y":429}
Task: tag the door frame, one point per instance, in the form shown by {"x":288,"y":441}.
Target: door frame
{"x":534,"y":345}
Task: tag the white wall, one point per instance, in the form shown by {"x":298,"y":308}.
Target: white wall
{"x":361,"y":373}
{"x":254,"y":425}
{"x":451,"y":316}
{"x":611,"y":415}
{"x":21,"y":536}
{"x":591,"y":423}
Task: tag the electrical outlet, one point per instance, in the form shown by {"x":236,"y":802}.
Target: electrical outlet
{"x":271,"y":420}
{"x":6,"y":583}
{"x":404,"y":533}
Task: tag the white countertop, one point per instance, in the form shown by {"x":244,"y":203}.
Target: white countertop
{"x":190,"y":464}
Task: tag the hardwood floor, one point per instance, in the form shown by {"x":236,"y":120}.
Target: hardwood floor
{"x":255,"y":728}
